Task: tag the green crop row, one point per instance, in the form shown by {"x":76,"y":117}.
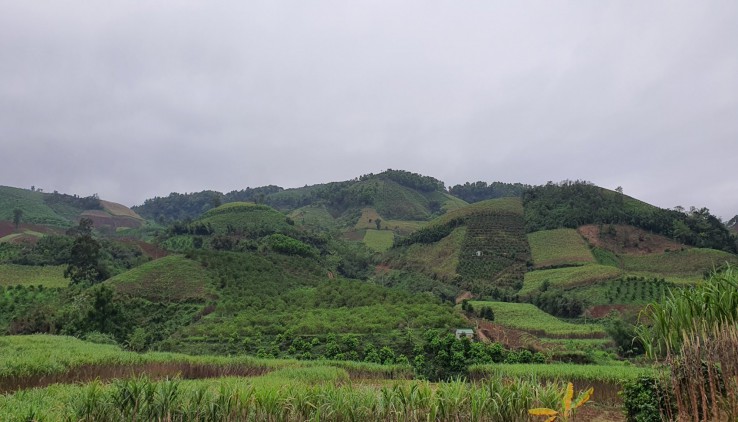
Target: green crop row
{"x":295,"y":395}
{"x":527,"y":317}
{"x":557,"y":247}
{"x":568,"y":277}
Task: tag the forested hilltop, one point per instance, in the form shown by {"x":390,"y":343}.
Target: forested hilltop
{"x":573,"y":204}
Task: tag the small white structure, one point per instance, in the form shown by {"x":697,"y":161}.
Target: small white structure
{"x":465,"y":332}
{"x":479,"y":253}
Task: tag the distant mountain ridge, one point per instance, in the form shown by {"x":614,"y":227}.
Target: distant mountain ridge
{"x":395,"y":194}
{"x":62,"y":210}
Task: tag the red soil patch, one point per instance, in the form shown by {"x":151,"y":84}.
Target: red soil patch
{"x":382,"y":269}
{"x":88,"y":373}
{"x":601,"y":311}
{"x":7,"y":227}
{"x":490,"y":332}
{"x":357,"y":235}
{"x":465,"y":295}
{"x":628,"y":240}
{"x":148,"y":249}
{"x":103,"y":220}
{"x":600,"y":414}
{"x":24,"y":239}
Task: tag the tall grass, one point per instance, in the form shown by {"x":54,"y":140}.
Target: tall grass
{"x":704,"y":375}
{"x":288,"y":396}
{"x":685,"y":311}
{"x":694,"y":333}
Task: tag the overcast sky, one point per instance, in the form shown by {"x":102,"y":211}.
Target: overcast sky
{"x":134,"y":99}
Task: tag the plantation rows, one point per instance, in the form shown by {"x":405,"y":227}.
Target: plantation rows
{"x":494,"y":254}
{"x":636,"y":290}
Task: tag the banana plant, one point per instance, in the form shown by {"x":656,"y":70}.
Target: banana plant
{"x":567,"y":406}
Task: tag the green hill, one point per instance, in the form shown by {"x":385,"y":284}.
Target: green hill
{"x":170,"y":279}
{"x":31,"y":203}
{"x":245,"y":218}
{"x":494,"y":252}
{"x":375,"y":261}
{"x":62,"y":210}
{"x":573,"y":204}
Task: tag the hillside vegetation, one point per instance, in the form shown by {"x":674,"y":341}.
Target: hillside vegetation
{"x":334,"y":282}
{"x":551,"y":248}
{"x":573,"y":204}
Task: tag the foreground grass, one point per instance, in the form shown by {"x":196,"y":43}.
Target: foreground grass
{"x":527,"y":317}
{"x":49,"y":276}
{"x":295,"y":394}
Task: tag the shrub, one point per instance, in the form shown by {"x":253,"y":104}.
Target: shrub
{"x":644,"y":399}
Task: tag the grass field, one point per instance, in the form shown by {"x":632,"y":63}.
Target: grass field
{"x":568,"y":277}
{"x":49,"y":276}
{"x":527,"y":317}
{"x":170,"y":279}
{"x":563,"y":371}
{"x":316,"y":217}
{"x":607,"y":380}
{"x":379,"y":240}
{"x":558,"y":247}
{"x":685,"y":262}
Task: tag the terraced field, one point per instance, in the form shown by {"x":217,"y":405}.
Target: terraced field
{"x":568,"y":277}
{"x":49,"y":276}
{"x":558,"y":247}
{"x":693,"y":261}
{"x":495,"y":252}
{"x":527,"y":317}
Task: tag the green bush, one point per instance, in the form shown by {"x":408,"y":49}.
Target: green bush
{"x":643,"y":400}
{"x":289,"y":246}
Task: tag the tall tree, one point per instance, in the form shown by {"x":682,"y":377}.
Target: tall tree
{"x":85,"y":266}
{"x":17,"y":217}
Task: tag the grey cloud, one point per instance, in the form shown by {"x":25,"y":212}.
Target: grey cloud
{"x":131,"y":100}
